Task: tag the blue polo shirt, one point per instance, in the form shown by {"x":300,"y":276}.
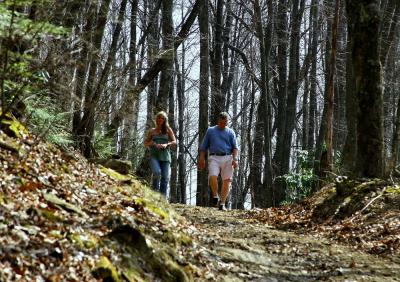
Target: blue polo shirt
{"x":219,"y":140}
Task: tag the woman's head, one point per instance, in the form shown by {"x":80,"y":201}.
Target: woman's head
{"x":162,"y":121}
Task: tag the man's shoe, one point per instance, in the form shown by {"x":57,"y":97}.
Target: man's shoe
{"x":222,"y":207}
{"x":215,"y":201}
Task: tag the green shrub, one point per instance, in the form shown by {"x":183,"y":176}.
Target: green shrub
{"x":299,"y":182}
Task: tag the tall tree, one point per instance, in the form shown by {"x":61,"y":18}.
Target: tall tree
{"x":217,"y":97}
{"x":180,"y":193}
{"x":363,"y":29}
{"x":130,"y":119}
{"x":315,"y":32}
{"x":293,"y":88}
{"x":320,"y":155}
{"x":167,"y":44}
{"x":83,"y":132}
{"x":282,"y":38}
{"x":263,"y":192}
{"x":350,"y":146}
{"x":330,"y":88}
{"x":202,"y":181}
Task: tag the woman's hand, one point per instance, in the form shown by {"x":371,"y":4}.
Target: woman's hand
{"x":161,"y":146}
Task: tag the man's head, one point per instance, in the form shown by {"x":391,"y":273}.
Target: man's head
{"x":222,"y":120}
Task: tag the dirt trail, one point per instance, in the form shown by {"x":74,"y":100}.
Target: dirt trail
{"x":235,"y":248}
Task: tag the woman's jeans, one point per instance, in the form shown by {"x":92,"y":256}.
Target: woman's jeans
{"x":161,"y":172}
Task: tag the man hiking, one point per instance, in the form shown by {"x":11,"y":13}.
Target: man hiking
{"x":220,"y":141}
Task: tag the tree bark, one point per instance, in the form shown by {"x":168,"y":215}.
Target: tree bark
{"x":168,"y":44}
{"x":330,"y":94}
{"x":83,"y":129}
{"x":293,"y":86}
{"x":217,"y":97}
{"x":202,"y":180}
{"x":281,"y":33}
{"x":364,"y":21}
{"x":130,"y":118}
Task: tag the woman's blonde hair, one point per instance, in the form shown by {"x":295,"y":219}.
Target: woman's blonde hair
{"x":165,"y":125}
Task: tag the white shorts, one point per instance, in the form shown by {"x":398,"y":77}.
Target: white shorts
{"x":220,"y":164}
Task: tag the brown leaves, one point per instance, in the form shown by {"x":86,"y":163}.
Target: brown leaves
{"x":55,"y":211}
{"x":375,"y":230}
{"x":30,"y":185}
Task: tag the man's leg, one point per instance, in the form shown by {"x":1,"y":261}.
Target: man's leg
{"x":214,"y":185}
{"x":226,"y":174}
{"x":226,"y":185}
{"x":213,"y":171}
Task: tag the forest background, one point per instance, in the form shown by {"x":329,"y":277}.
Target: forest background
{"x":310,"y":85}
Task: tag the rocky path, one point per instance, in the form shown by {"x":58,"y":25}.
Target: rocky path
{"x":236,"y":248}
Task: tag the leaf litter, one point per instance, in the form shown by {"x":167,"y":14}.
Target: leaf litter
{"x":61,"y":217}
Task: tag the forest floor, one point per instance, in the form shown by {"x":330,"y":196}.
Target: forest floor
{"x":242,"y":246}
{"x":65,"y":219}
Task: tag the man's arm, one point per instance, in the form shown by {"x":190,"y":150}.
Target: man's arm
{"x":234,"y":151}
{"x":203,"y":149}
{"x":202,"y":159}
{"x":234,"y":158}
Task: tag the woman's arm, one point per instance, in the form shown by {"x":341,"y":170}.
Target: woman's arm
{"x":171,"y":137}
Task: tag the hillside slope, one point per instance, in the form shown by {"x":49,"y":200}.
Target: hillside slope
{"x":64,"y":219}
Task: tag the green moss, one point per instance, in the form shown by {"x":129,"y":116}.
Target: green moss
{"x":76,"y":239}
{"x":115,"y":175}
{"x":391,"y":189}
{"x":56,"y":234}
{"x":151,"y":206}
{"x":185,"y":240}
{"x":167,"y":268}
{"x":13,"y":127}
{"x":177,"y":238}
{"x":105,"y":270}
{"x":66,"y":168}
{"x":132,"y":275}
{"x":50,"y":215}
{"x":83,"y":241}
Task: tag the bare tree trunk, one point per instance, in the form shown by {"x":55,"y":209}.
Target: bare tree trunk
{"x":364,"y":21}
{"x":217,"y":98}
{"x":85,"y":125}
{"x":339,"y":118}
{"x":330,"y":94}
{"x":202,"y":181}
{"x":174,"y":160}
{"x":153,"y":39}
{"x":227,"y":72}
{"x":131,"y":116}
{"x":180,"y":91}
{"x":251,"y":182}
{"x":293,"y":86}
{"x":263,"y":193}
{"x":350,"y":146}
{"x":168,"y":44}
{"x":320,"y":156}
{"x":313,"y":75}
{"x":82,"y":66}
{"x":281,"y":33}
{"x":389,"y":43}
